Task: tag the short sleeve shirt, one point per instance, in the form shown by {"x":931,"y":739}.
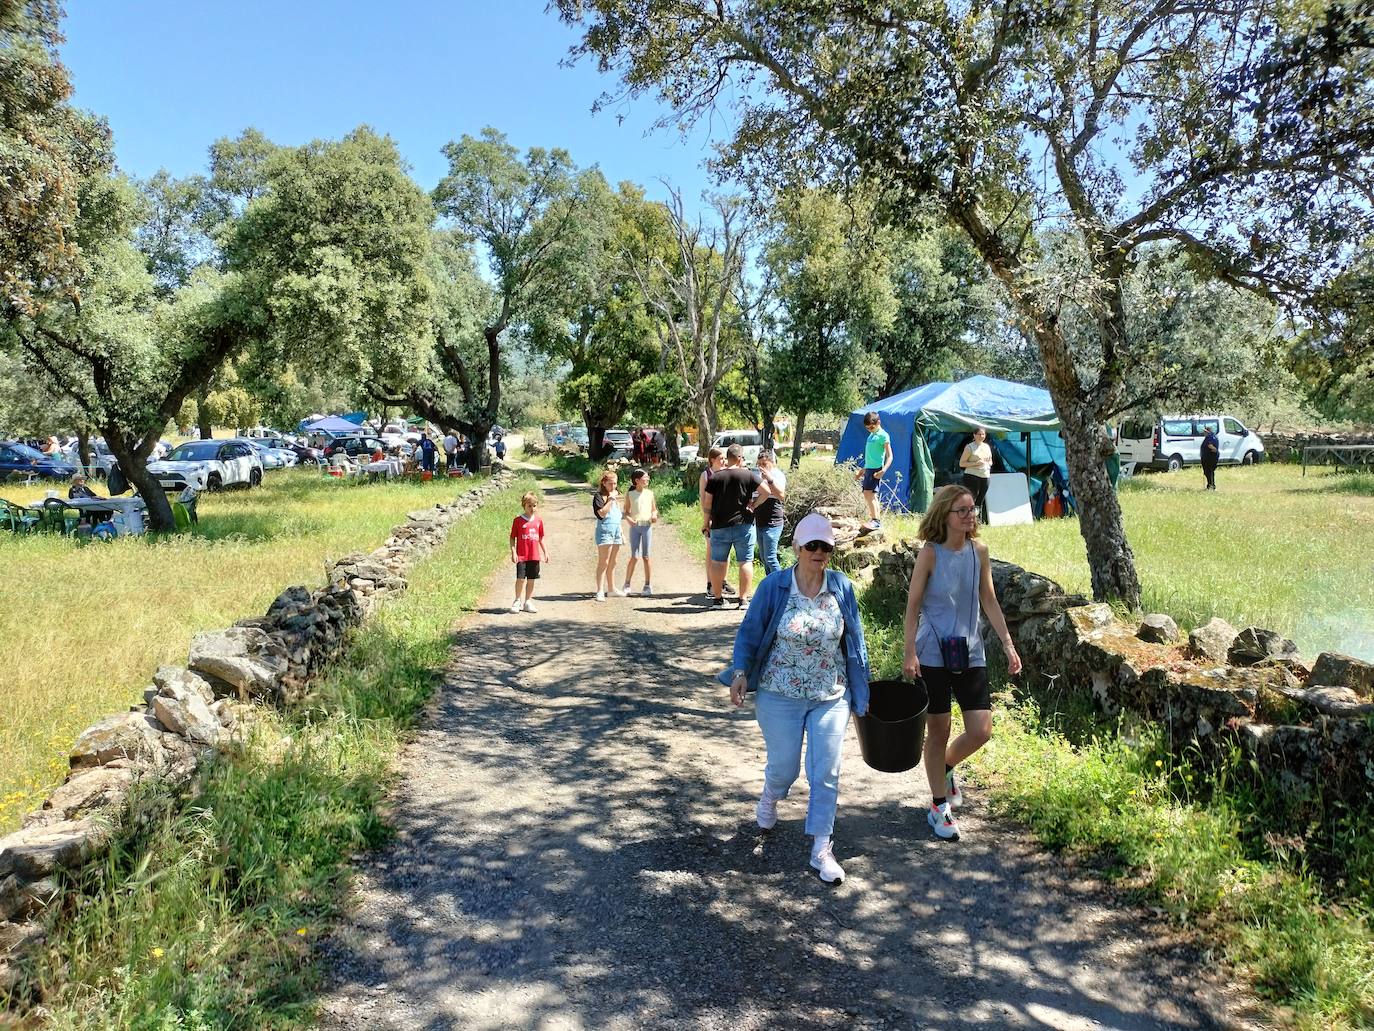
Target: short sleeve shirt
{"x":768,"y":513}
{"x":731,"y":489}
{"x":875,"y":451}
{"x":527,"y":532}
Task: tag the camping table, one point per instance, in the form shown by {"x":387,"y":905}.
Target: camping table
{"x":132,"y":510}
{"x":1347,"y":456}
{"x":387,"y":468}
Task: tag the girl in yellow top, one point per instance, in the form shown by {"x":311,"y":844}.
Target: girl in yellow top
{"x":641,"y":509}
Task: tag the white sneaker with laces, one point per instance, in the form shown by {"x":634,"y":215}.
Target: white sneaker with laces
{"x":516,"y":605}
{"x":618,"y":594}
{"x":942,"y":822}
{"x":626,"y":589}
{"x":648,"y":590}
{"x":823,"y":862}
{"x":600,"y":596}
{"x":529,"y":606}
{"x":953,"y":794}
{"x":766,"y":812}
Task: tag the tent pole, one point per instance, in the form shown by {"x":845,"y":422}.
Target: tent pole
{"x":1028,"y":475}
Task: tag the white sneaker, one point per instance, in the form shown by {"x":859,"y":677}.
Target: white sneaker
{"x":648,"y":590}
{"x":823,"y":862}
{"x":600,"y":596}
{"x":942,"y":822}
{"x":626,"y":589}
{"x":529,"y":606}
{"x":516,"y":605}
{"x":953,"y":795}
{"x":618,"y":594}
{"x":766,"y":812}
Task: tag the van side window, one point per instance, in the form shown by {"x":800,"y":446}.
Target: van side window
{"x":1178,"y":427}
{"x":1136,"y":431}
{"x":1234,"y":427}
{"x":1205,"y":426}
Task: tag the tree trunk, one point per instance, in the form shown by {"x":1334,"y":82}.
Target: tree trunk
{"x":596,"y":441}
{"x":1087,"y":446}
{"x":670,"y":441}
{"x":202,"y":419}
{"x":706,"y":427}
{"x":134,"y":466}
{"x":83,"y":450}
{"x":769,"y":430}
{"x":797,"y":432}
{"x":477,"y":451}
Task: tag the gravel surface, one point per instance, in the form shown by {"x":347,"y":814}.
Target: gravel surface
{"x":576,"y":849}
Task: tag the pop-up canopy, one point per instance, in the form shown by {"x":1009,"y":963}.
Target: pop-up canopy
{"x":331,"y":424}
{"x":930,"y":424}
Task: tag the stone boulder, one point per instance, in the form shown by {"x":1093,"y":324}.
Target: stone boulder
{"x":1213,"y":640}
{"x":1255,"y":644}
{"x":34,"y":853}
{"x":1157,"y":628}
{"x":187,"y":714}
{"x":1335,"y":670}
{"x":242,"y":657}
{"x":135,"y":736}
{"x":1334,"y":701}
{"x":177,"y":681}
{"x":86,"y":791}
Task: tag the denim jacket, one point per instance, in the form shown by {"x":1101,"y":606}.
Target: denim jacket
{"x":754,"y":639}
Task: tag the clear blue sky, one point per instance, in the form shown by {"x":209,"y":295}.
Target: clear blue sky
{"x":174,"y":75}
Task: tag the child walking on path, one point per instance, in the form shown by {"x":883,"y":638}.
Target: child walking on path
{"x":609,"y":512}
{"x":641,"y":509}
{"x":526,"y":552}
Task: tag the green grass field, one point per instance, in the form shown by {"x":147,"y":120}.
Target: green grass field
{"x":1269,"y":548}
{"x":82,"y":627}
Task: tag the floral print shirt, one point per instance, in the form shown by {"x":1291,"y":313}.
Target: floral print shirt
{"x":806,"y":661}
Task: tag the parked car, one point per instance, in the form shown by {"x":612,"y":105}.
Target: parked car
{"x":22,"y":460}
{"x":355,"y":446}
{"x":1171,"y":442}
{"x":750,"y":440}
{"x":209,"y":465}
{"x":617,"y":443}
{"x":303,"y":452}
{"x":102,"y":458}
{"x":272,"y":458}
{"x":397,"y":434}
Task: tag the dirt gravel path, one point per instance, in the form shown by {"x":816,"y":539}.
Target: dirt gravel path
{"x":576,"y":849}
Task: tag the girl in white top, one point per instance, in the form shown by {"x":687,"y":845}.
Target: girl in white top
{"x":641,"y":509}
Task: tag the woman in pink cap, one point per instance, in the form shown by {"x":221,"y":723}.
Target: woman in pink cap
{"x":801,"y":649}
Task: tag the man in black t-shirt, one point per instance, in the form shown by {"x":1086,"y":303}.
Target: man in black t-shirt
{"x":732,"y":524}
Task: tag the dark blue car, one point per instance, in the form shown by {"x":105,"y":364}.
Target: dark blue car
{"x":22,"y":460}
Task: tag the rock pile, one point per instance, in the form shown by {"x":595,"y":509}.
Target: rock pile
{"x":192,"y":711}
{"x":1311,"y":730}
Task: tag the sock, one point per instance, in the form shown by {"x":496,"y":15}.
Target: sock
{"x":935,"y":803}
{"x":819,"y":844}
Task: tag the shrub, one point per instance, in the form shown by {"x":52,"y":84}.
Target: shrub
{"x":811,"y":487}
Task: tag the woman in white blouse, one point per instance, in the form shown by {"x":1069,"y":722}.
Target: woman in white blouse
{"x":976,"y":461}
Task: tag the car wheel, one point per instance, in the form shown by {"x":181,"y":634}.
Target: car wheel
{"x":1175,"y":463}
{"x":1250,"y":458}
{"x":254,"y":477}
{"x":213,"y":482}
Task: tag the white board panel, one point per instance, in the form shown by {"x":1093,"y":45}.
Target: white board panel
{"x":1008,"y":500}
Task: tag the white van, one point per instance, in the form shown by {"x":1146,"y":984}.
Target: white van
{"x":1173,"y":441}
{"x":750,"y":440}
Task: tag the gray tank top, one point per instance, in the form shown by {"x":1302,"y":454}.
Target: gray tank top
{"x":950,"y":607}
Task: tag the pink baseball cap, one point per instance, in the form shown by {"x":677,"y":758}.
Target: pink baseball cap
{"x":813,"y":527}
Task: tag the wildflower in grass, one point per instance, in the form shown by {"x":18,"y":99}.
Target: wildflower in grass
{"x":1159,"y":763}
{"x":301,"y":931}
{"x":159,"y":952}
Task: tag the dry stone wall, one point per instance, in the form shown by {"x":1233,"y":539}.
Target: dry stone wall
{"x":190,"y":712}
{"x":1309,"y":727}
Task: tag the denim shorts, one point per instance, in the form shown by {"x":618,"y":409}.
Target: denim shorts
{"x":608,"y":532}
{"x":640,"y":539}
{"x":740,"y":538}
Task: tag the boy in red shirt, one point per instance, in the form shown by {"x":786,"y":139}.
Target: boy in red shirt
{"x":526,"y":551}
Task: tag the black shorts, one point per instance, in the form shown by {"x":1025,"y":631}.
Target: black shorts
{"x":528,"y":570}
{"x":969,"y":688}
{"x":871,"y":479}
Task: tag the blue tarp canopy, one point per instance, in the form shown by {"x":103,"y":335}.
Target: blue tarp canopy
{"x":930,"y":424}
{"x":331,"y":424}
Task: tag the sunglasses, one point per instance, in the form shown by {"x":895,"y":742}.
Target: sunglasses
{"x":818,"y":546}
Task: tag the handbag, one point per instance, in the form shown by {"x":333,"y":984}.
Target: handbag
{"x":954,"y":653}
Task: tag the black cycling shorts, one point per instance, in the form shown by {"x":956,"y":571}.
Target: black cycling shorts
{"x":528,"y":570}
{"x":969,"y":688}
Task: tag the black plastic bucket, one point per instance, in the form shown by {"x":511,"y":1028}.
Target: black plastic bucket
{"x":893,"y":732}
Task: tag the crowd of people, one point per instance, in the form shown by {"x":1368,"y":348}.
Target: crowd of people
{"x":800,"y":648}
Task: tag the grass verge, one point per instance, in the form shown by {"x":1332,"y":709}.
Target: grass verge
{"x":83,"y":627}
{"x":204,"y":914}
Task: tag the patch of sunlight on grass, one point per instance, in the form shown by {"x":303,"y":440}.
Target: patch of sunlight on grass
{"x":83,"y":627}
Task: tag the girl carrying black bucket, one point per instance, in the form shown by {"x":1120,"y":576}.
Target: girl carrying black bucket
{"x":952,"y":582}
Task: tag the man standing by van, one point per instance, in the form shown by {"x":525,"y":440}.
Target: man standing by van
{"x":1211,"y":453}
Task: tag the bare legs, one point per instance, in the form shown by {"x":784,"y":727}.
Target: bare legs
{"x":941,"y":751}
{"x":871,"y":500}
{"x":717,"y":574}
{"x":630,"y":571}
{"x":605,"y":567}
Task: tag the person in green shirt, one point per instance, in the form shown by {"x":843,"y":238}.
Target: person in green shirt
{"x":877,"y":457}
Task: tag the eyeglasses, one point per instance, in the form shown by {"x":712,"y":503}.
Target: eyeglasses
{"x":818,"y":546}
{"x":965,"y":510}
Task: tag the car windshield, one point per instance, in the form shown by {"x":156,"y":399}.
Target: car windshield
{"x":195,"y":451}
{"x":27,"y":453}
